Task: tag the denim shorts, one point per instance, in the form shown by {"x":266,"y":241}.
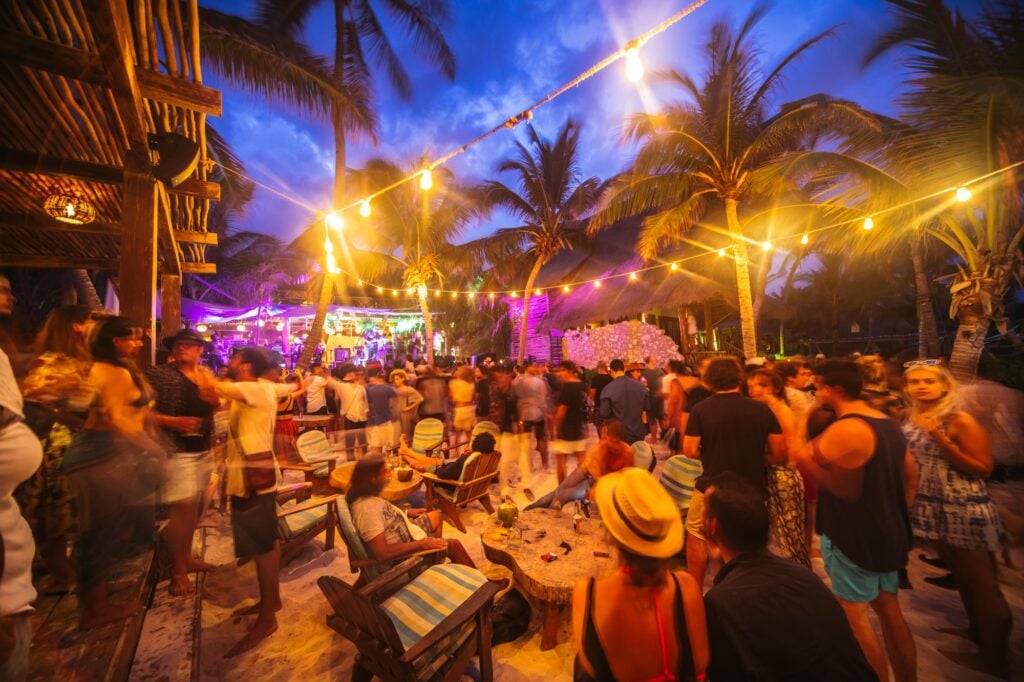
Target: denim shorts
{"x":850,"y":582}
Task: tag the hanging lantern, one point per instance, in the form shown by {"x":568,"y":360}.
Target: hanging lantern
{"x":69,"y":207}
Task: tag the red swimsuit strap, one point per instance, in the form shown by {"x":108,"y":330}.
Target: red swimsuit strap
{"x":666,"y":671}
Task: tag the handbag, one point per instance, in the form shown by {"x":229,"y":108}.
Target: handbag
{"x":259,"y":471}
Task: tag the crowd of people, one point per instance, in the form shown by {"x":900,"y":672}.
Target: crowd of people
{"x":849,"y":458}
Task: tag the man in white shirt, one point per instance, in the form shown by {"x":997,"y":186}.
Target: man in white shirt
{"x":253,"y":512}
{"x":316,"y":390}
{"x":353,"y":406}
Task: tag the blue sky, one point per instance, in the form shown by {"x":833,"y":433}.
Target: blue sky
{"x":510,"y":54}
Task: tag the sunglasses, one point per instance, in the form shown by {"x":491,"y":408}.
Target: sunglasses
{"x":927,"y":363}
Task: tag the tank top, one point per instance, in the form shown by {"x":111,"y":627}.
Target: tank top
{"x":596,"y":655}
{"x":874,"y":530}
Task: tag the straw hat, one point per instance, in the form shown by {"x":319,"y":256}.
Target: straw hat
{"x":639,"y":513}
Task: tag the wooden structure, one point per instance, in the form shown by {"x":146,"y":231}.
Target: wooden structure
{"x":83,"y":83}
{"x":474,"y":484}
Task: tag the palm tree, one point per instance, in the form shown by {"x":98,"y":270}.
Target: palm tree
{"x":359,"y":34}
{"x":707,"y":151}
{"x":550,"y":198}
{"x":966,"y":107}
{"x":413,"y":232}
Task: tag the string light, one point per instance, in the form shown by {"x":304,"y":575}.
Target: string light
{"x":869,"y":223}
{"x":437,"y":293}
{"x":380,"y":290}
{"x":675,"y":266}
{"x":364,"y":208}
{"x":334,"y":220}
{"x":201,"y":328}
{"x":394,"y":292}
{"x":634,"y":65}
{"x":491,"y":295}
{"x":536,"y":292}
{"x":410,"y":291}
{"x":279,"y":326}
{"x":426,"y":179}
{"x":472,"y":295}
{"x":721,"y":252}
{"x":632,"y":276}
{"x":514,"y":295}
{"x":963,"y":194}
{"x":766,"y":246}
{"x":455,"y":294}
{"x":565,"y":288}
{"x":597,"y":284}
{"x":360,"y":282}
{"x":805,"y":239}
{"x":240,"y":327}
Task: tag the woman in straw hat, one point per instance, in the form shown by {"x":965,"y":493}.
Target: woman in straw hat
{"x":642,"y":622}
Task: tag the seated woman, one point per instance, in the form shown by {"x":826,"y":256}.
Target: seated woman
{"x":609,"y":454}
{"x":643,"y":621}
{"x":387,"y":531}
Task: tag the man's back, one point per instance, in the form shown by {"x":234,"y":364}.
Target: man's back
{"x":772,"y":619}
{"x":531,"y":397}
{"x":733,"y":432}
{"x":379,"y":397}
{"x":626,"y":399}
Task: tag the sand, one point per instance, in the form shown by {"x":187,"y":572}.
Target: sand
{"x":305,"y":649}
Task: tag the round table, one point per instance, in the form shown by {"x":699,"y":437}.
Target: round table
{"x":395,"y":490}
{"x":551,"y":583}
{"x":313,"y":421}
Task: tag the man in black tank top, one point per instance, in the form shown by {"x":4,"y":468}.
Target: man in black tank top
{"x":867,"y":479}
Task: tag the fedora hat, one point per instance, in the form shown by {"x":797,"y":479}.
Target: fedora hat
{"x":636,"y":366}
{"x":639,"y":514}
{"x":185,"y":336}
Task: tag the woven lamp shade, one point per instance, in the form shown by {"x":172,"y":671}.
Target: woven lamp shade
{"x":69,"y":207}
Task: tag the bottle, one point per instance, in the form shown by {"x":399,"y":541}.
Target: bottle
{"x":508,"y":512}
{"x":514,"y":540}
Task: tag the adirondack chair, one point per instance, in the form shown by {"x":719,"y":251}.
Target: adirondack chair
{"x":474,"y":484}
{"x":305,"y":519}
{"x":413,"y":634}
{"x":428,"y":438}
{"x":643,"y":456}
{"x":317,"y":455}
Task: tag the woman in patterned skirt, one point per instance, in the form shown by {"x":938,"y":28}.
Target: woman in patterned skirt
{"x":786,"y":513}
{"x":285,"y":431}
{"x":954,"y":511}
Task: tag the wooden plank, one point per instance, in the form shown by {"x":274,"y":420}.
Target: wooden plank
{"x":71,"y":62}
{"x":112,"y":30}
{"x":17,"y":260}
{"x":208,"y":238}
{"x":138,"y":266}
{"x":29,"y":162}
{"x":199,"y":268}
{"x":170,"y":305}
{"x":165,"y":233}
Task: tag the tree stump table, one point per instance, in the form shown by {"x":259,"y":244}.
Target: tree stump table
{"x":544,"y":530}
{"x":395,"y":490}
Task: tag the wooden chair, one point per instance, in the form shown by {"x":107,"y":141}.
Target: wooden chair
{"x":474,"y":484}
{"x":318,"y":456}
{"x":413,"y":635}
{"x":428,"y":438}
{"x":306,"y":518}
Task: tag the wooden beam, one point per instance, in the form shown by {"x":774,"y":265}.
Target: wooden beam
{"x":170,"y":305}
{"x":29,"y":162}
{"x":138,"y":267}
{"x":71,"y":62}
{"x":17,"y":260}
{"x":165,"y":233}
{"x":208,"y":238}
{"x":10,"y":221}
{"x":112,"y":30}
{"x":199,"y":268}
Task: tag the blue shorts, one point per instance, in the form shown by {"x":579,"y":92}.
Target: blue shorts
{"x":850,"y":582}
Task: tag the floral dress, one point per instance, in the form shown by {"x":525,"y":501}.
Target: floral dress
{"x":56,"y":381}
{"x":952,"y":506}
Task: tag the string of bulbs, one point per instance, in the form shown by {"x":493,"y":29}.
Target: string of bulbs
{"x":960,"y":193}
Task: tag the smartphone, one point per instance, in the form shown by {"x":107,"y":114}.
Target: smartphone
{"x":549,"y":557}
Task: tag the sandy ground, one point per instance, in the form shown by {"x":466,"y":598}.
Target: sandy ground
{"x":304,"y":648}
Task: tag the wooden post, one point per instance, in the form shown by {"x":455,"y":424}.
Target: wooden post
{"x":138,"y":249}
{"x":170,"y":305}
{"x":709,"y":325}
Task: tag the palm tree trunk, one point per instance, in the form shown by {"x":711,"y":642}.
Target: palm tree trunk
{"x":927,"y":329}
{"x":969,"y":344}
{"x":525,"y":326}
{"x":428,"y":325}
{"x":748,"y":325}
{"x":85,"y":289}
{"x":316,"y":331}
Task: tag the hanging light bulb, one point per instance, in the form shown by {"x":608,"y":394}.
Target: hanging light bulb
{"x":380,"y":290}
{"x":536,"y":292}
{"x":394,"y":292}
{"x":426,"y":179}
{"x":240,"y":327}
{"x":597,"y":284}
{"x":632,"y":276}
{"x":334,"y":220}
{"x":279,"y":326}
{"x":472,"y":295}
{"x":360,"y":282}
{"x":364,"y":208}
{"x":410,"y":291}
{"x":766,"y":246}
{"x":201,"y":328}
{"x":721,"y":252}
{"x":675,"y":266}
{"x":565,"y":288}
{"x":804,"y":239}
{"x":491,"y":295}
{"x":963,"y":194}
{"x":634,"y":65}
{"x":869,"y":223}
{"x":455,"y":294}
{"x":514,"y":294}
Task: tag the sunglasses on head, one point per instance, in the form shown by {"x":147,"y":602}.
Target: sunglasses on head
{"x":927,"y":363}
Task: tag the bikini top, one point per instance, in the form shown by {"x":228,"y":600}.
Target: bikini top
{"x":595,"y":651}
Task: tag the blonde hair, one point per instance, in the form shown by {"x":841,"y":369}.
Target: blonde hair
{"x":872,"y":370}
{"x":947,"y":404}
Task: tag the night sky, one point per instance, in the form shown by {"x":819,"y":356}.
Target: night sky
{"x":513,"y":52}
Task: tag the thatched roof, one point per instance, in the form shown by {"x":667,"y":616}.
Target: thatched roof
{"x":610,"y":257}
{"x":81,"y":83}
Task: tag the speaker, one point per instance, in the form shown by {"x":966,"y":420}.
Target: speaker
{"x":178,"y":157}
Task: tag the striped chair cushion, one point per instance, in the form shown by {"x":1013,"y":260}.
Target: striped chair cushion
{"x":418,"y":607}
{"x":427,"y":433}
{"x":487,"y":427}
{"x":315,"y":449}
{"x":678,"y":476}
{"x":300,"y":522}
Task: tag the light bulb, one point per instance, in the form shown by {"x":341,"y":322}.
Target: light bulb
{"x":426,"y":179}
{"x":597,"y":284}
{"x":536,"y":292}
{"x":69,"y":210}
{"x":565,"y":288}
{"x":472,"y":295}
{"x":422,"y":290}
{"x":514,"y":295}
{"x":394,"y":292}
{"x":410,"y":291}
{"x":491,"y":295}
{"x":455,"y":294}
{"x":334,"y":220}
{"x":721,"y":252}
{"x":360,"y":282}
{"x":632,"y":276}
{"x":200,"y":328}
{"x":804,"y":239}
{"x":963,"y":194}
{"x":380,"y":290}
{"x":364,"y":208}
{"x":869,"y":223}
{"x":240,"y":328}
{"x":766,"y":246}
{"x":437,"y":293}
{"x":634,"y":66}
{"x":279,"y":326}
{"x":260,"y":323}
{"x":675,"y":266}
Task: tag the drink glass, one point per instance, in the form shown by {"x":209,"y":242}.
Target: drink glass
{"x":514,"y":539}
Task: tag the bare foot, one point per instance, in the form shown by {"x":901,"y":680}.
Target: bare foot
{"x":252,"y":610}
{"x":259,"y":632}
{"x":977,"y":663}
{"x":195,"y":565}
{"x":181,"y":586}
{"x":108,"y":614}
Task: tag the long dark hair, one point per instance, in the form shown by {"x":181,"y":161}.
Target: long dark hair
{"x":101,"y":345}
{"x":362,"y":484}
{"x":57,"y":335}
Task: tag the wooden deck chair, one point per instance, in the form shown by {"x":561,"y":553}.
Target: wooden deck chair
{"x":643,"y":456}
{"x":316,"y":452}
{"x":305,"y":519}
{"x":428,"y":438}
{"x":430,"y":629}
{"x":481,"y":427}
{"x":474,"y":484}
